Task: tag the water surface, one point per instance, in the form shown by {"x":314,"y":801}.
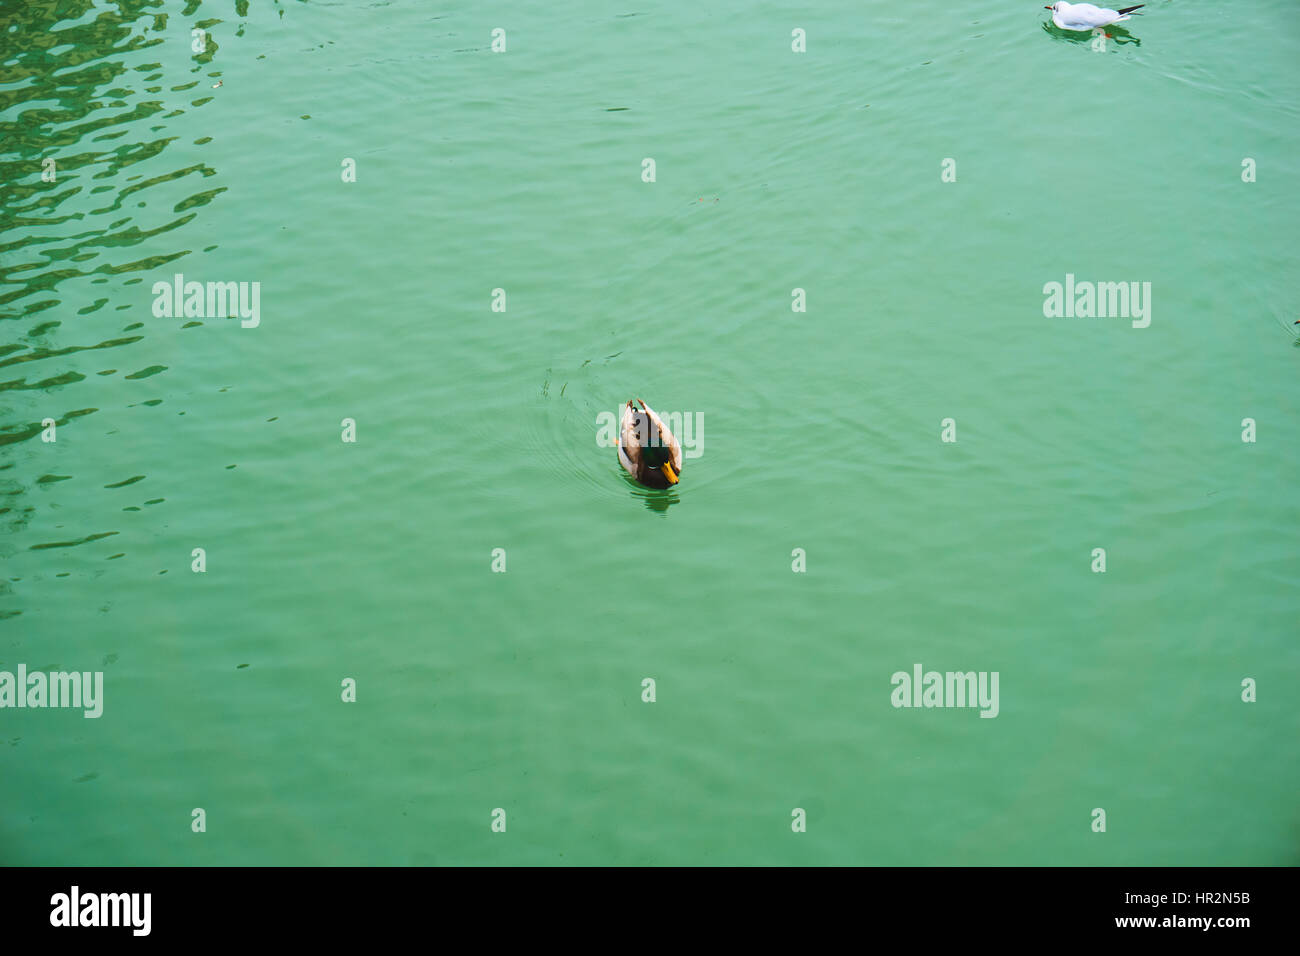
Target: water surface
{"x":476,"y":430}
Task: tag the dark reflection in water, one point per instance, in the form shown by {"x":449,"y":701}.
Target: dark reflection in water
{"x":1114,"y":34}
{"x":89,"y":118}
{"x":656,"y":499}
{"x":661,"y":501}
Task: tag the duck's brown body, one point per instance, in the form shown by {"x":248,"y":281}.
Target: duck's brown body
{"x":647,"y":450}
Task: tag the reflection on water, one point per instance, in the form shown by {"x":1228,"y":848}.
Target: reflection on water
{"x":656,"y":499}
{"x":1113,"y":34}
{"x":99,"y":172}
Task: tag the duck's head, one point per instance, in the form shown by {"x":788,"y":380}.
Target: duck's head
{"x":658,"y":455}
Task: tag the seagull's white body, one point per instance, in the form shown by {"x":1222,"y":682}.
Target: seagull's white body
{"x":1084,"y":16}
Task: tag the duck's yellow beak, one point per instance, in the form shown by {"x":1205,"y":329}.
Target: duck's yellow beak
{"x":671,"y":475}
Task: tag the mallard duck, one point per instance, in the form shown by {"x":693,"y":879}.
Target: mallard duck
{"x":648,"y":451}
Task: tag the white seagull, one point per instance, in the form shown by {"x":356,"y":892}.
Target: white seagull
{"x":1085,"y":16}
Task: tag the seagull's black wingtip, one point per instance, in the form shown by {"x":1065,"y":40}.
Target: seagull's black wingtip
{"x":1125,"y":10}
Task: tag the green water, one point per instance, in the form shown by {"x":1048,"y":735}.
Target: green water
{"x":477,"y":430}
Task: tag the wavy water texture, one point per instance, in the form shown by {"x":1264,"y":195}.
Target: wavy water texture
{"x":181,"y":508}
